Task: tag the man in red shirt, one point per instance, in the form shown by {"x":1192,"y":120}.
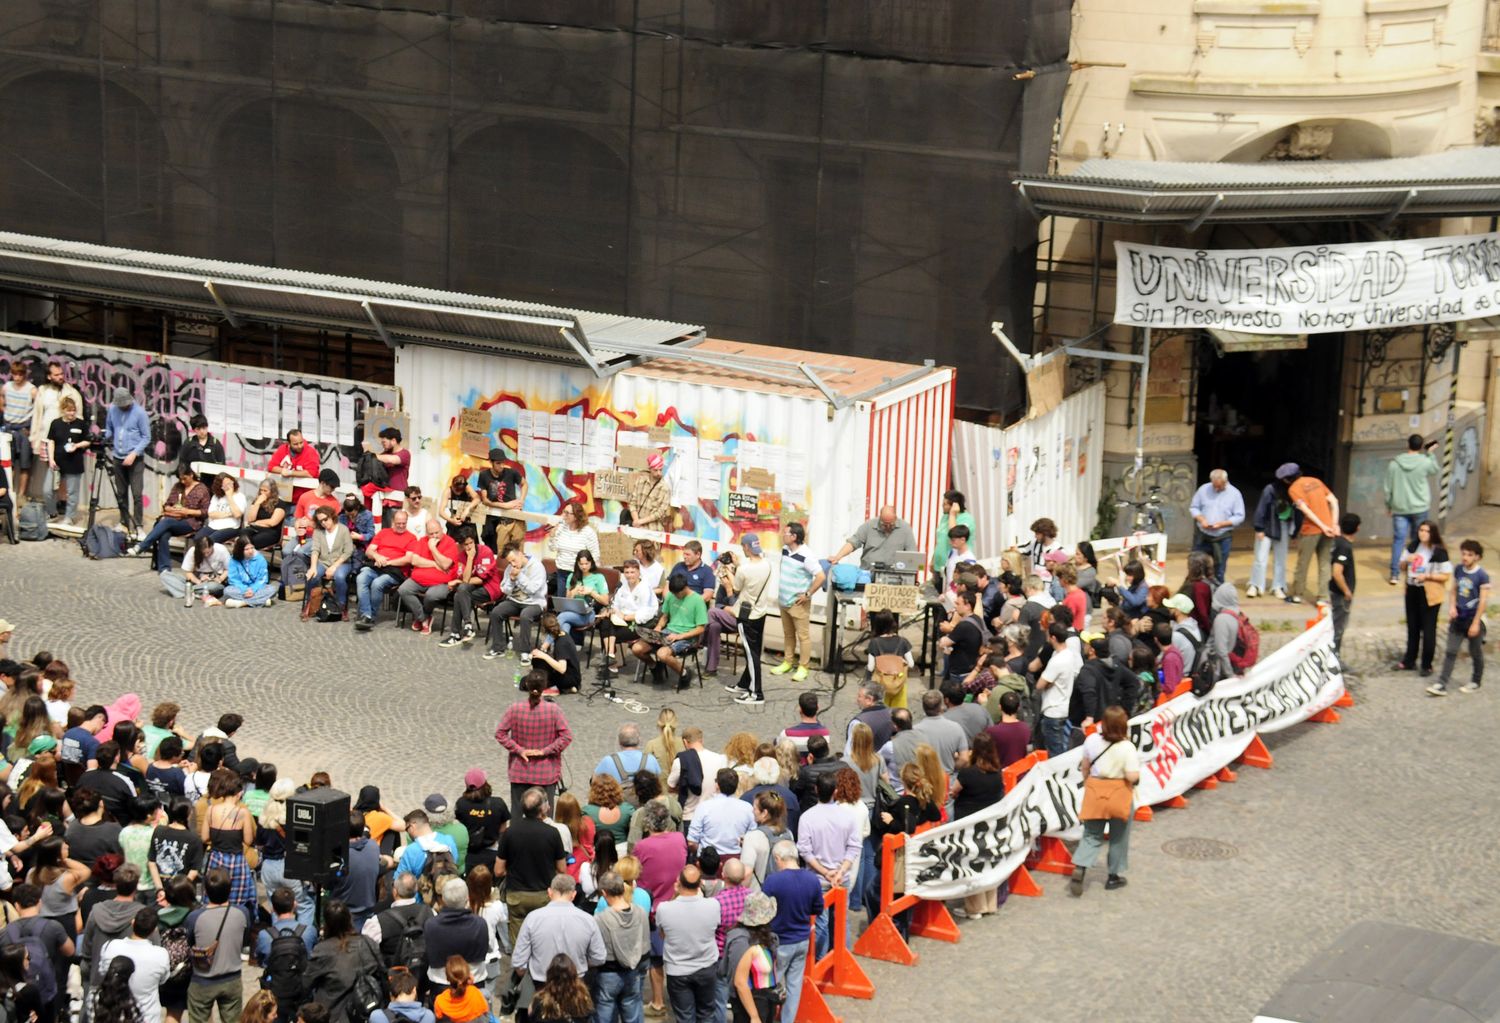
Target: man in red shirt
{"x":476,"y":581}
{"x":296,"y":460}
{"x":388,"y":561}
{"x":433,"y":564}
{"x":322,"y":496}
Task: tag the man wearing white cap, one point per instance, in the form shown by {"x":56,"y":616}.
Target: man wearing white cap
{"x":650,"y":502}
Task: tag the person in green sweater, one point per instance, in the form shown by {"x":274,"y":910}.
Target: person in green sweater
{"x":955,"y":513}
{"x":1408,"y":494}
{"x":440,"y":816}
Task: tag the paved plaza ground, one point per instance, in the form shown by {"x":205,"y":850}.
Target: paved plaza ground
{"x":1385,"y":815}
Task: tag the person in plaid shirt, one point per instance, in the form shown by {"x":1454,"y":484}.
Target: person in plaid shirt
{"x":731,"y":904}
{"x":535,"y":733}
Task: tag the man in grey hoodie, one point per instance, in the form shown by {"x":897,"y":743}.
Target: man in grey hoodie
{"x":1226,"y":624}
{"x":107,"y":921}
{"x":1408,"y":494}
{"x":627,"y":940}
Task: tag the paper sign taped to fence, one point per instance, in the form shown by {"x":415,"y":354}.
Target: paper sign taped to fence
{"x":1310,"y":289}
{"x":886,"y":597}
{"x":614,"y":548}
{"x":611,"y":485}
{"x":632,"y":457}
{"x":474,"y":420}
{"x":1181,"y":742}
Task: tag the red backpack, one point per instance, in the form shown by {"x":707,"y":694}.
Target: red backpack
{"x":1246,"y":643}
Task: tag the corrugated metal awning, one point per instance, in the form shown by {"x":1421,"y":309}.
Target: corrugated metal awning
{"x":394,"y":313}
{"x":1461,"y":183}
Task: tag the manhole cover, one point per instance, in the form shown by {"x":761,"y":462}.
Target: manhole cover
{"x":1200,"y":849}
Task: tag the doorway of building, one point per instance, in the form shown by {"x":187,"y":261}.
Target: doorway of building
{"x":1256,"y":410}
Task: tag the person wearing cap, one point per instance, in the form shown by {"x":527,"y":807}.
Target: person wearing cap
{"x":321,"y":496}
{"x":7,"y":630}
{"x":801,"y":576}
{"x":182,"y":515}
{"x":295,"y":460}
{"x":749,"y":963}
{"x":484,"y":815}
{"x":1217,"y":508}
{"x":444,"y":822}
{"x":502,"y":488}
{"x":127,"y":431}
{"x":756,"y":598}
{"x":1276,"y":521}
{"x":650,"y":496}
{"x":422,"y":840}
{"x":1187,"y":636}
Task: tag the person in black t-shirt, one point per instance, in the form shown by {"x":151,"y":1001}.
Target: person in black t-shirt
{"x":202,"y":446}
{"x":175,"y":850}
{"x":1341,"y":588}
{"x":501,"y":487}
{"x":484,"y":814}
{"x":531,"y":854}
{"x":558,"y":654}
{"x":67,"y":440}
{"x":113,"y":787}
{"x":90,"y":835}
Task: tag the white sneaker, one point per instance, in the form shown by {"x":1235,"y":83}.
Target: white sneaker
{"x":232,"y":602}
{"x":750,"y":699}
{"x":1437,"y":689}
{"x":1252,"y":591}
{"x":1468,"y":687}
{"x":1279,"y":593}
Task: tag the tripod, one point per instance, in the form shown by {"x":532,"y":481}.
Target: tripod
{"x":102,"y":470}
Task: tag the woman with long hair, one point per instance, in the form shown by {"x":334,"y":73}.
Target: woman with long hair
{"x":484,"y":904}
{"x":227,"y":829}
{"x":330,"y":562}
{"x":607,"y":808}
{"x":1427,"y":568}
{"x":980,"y":785}
{"x":566,"y":538}
{"x":226,"y":509}
{"x":932,"y":770}
{"x":15,"y":963}
{"x":338,"y":960}
{"x":1199,"y":588}
{"x":568,"y":813}
{"x":133,"y":760}
{"x":461,"y":508}
{"x":112,"y":1000}
{"x":264,"y":517}
{"x":666,"y":745}
{"x":1108,"y":756}
{"x":1086,"y":564}
{"x":750,"y":958}
{"x":563,"y":998}
{"x":204,"y":567}
{"x":35,"y":721}
{"x":585,"y":583}
{"x":848,"y":796}
{"x":916,"y":806}
{"x":557,"y":654}
{"x":740,"y":752}
{"x":261,"y":1008}
{"x":28,"y":684}
{"x":60,"y":877}
{"x":461,"y":1001}
{"x":42,"y":774}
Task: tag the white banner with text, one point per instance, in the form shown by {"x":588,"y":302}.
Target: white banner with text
{"x":1312,"y":289}
{"x":1182,"y":742}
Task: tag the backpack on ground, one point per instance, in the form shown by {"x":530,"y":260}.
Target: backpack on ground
{"x":371,"y":470}
{"x":102,"y":542}
{"x":294,"y":569}
{"x":627,"y":779}
{"x":890,"y":672}
{"x":39,"y":972}
{"x":285,"y":973}
{"x":1246,"y":643}
{"x":1208,"y":667}
{"x":31,"y":523}
{"x":329,"y":610}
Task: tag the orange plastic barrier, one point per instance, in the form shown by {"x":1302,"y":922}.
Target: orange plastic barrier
{"x":1185,"y":686}
{"x":881,"y":939}
{"x":1256,"y":754}
{"x":1344,"y":701}
{"x":838,"y":973}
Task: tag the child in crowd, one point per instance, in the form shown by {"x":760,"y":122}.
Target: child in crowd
{"x":1471,"y":595}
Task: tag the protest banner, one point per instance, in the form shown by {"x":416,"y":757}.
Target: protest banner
{"x":1310,"y":289}
{"x":1181,"y":743}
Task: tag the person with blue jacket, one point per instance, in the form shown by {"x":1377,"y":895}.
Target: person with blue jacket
{"x":127,"y":430}
{"x":1276,"y":522}
{"x":249,"y":578}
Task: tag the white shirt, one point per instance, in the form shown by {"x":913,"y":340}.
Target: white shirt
{"x":1061,"y":670}
{"x":640,"y":602}
{"x":651,"y":575}
{"x":711,"y":762}
{"x":225,"y":512}
{"x":152,"y":965}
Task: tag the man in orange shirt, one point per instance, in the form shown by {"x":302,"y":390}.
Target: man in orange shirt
{"x":322,"y":496}
{"x":1320,"y":516}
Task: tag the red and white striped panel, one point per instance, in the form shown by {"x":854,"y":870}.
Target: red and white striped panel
{"x":911,"y":443}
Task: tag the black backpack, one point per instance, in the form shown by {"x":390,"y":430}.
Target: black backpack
{"x":1208,"y":666}
{"x":285,"y":973}
{"x":371,"y":470}
{"x":403,"y":939}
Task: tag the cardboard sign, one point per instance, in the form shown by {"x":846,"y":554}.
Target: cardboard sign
{"x":612,"y":485}
{"x":614,"y":548}
{"x":758,"y":479}
{"x":632,"y":457}
{"x":475,"y":444}
{"x":743,"y":504}
{"x":474,"y":420}
{"x":377,"y":418}
{"x":885,"y":597}
{"x":660,"y":435}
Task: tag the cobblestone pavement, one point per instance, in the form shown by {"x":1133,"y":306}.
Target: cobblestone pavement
{"x":1373,"y":817}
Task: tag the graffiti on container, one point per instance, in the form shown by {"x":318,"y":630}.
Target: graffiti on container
{"x":1465,"y":458}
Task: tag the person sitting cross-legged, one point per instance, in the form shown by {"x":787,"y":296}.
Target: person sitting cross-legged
{"x":249,"y":577}
{"x":684,"y":618}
